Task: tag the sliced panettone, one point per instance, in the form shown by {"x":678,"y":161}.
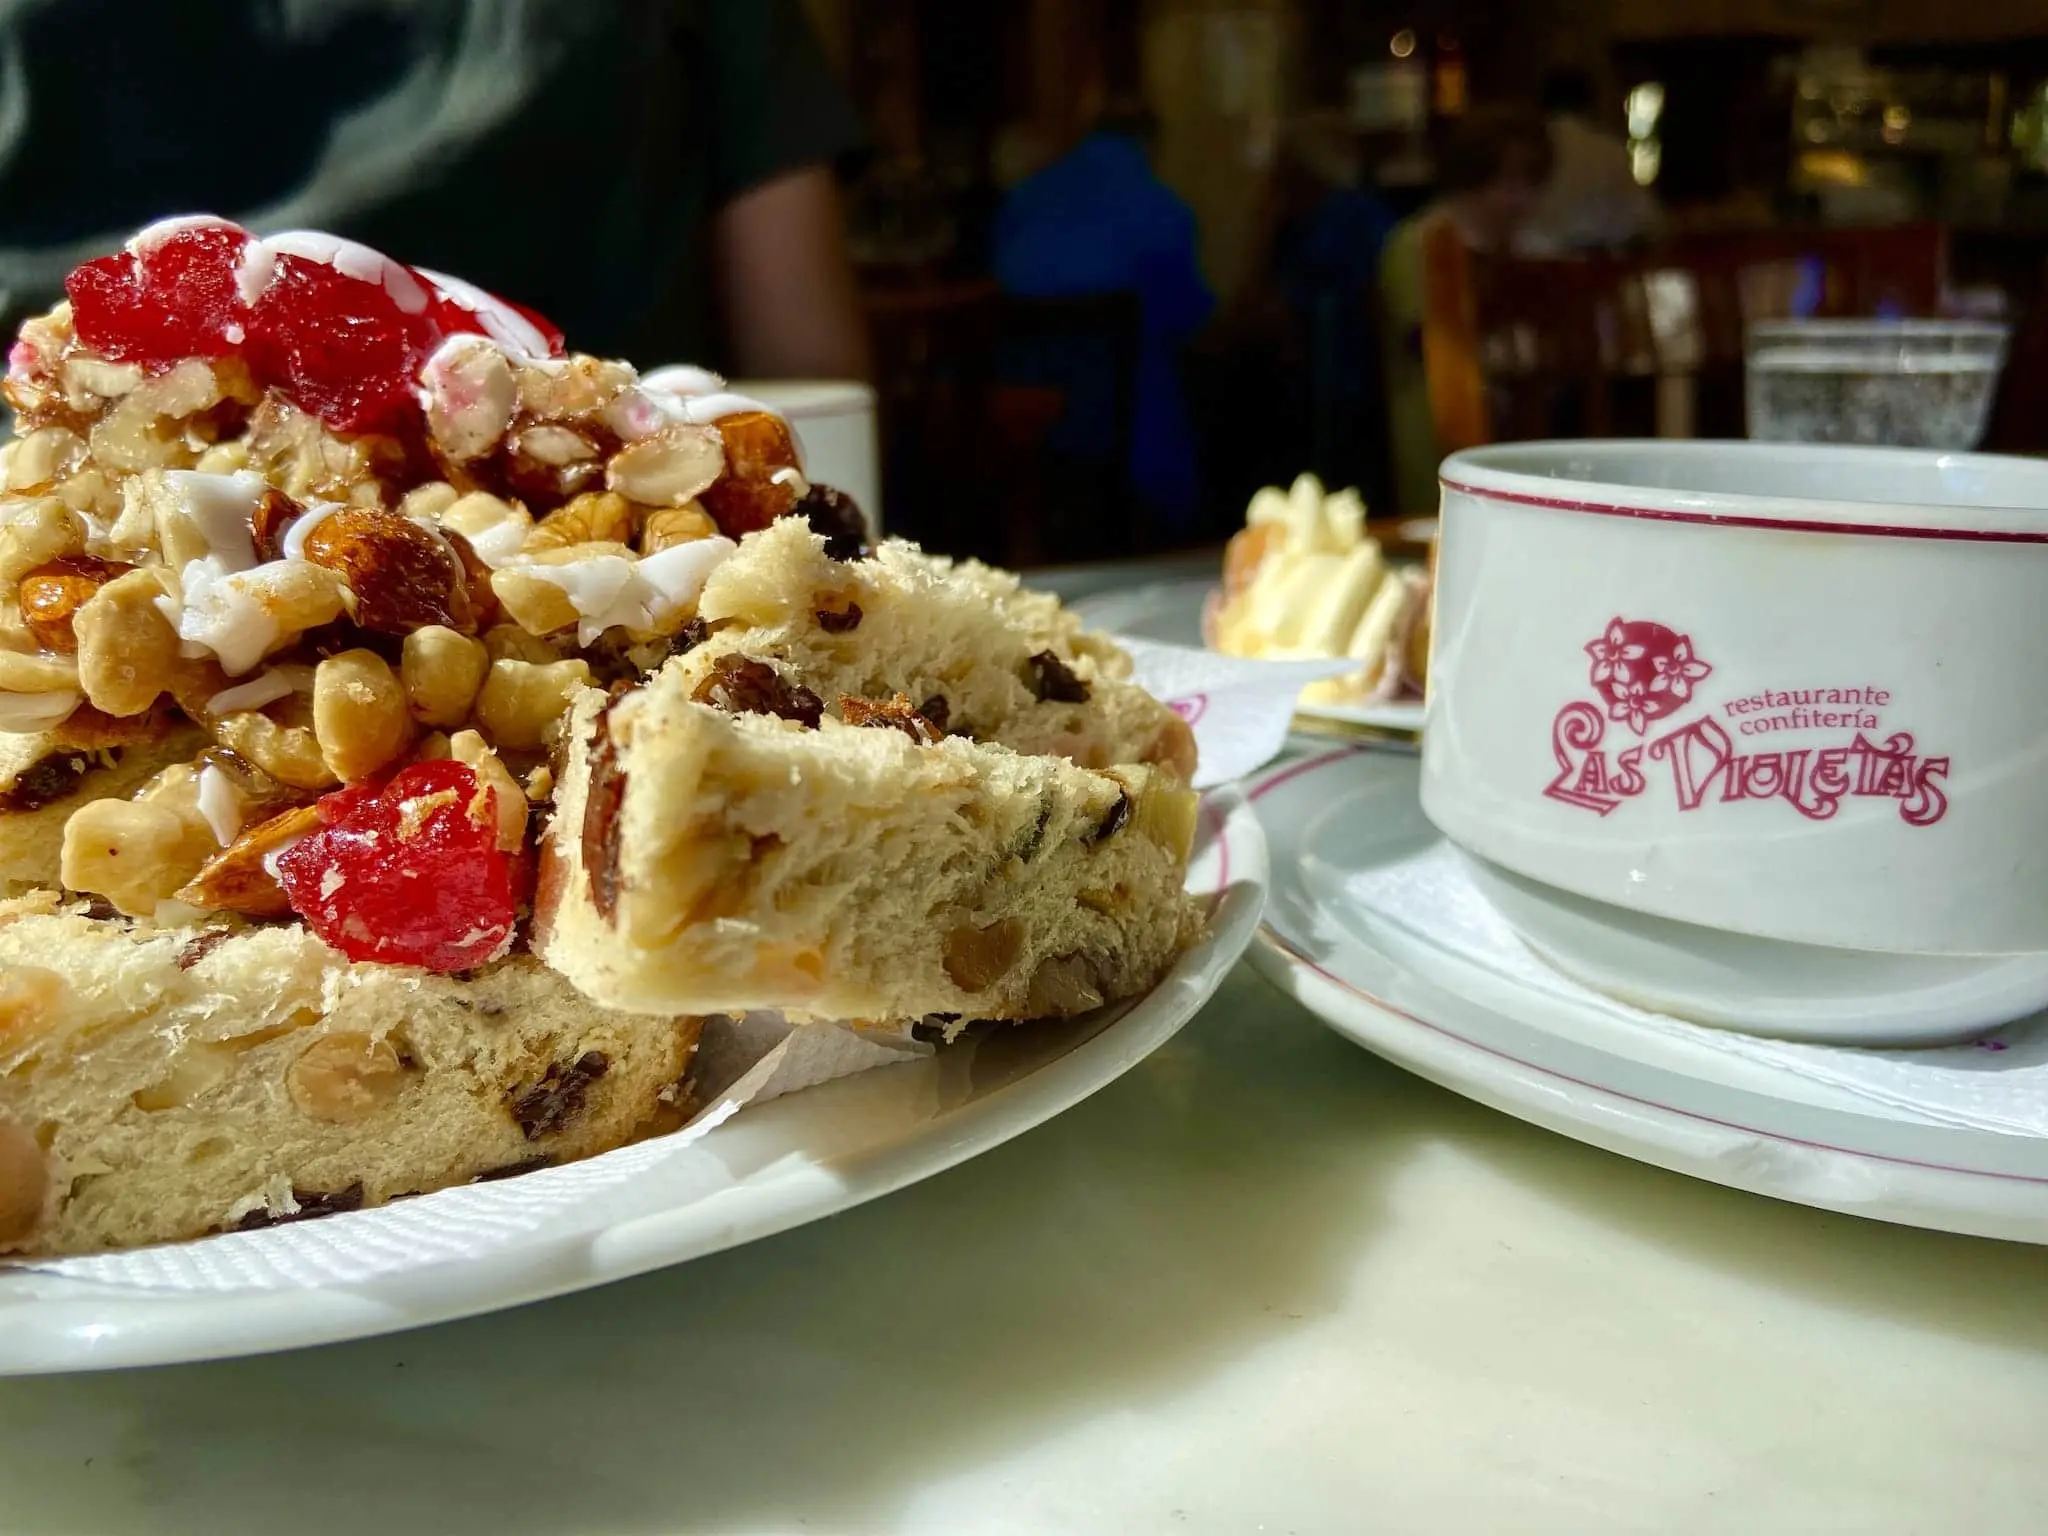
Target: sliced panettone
{"x":968,"y":645}
{"x":306,"y":557}
{"x":702,"y":861}
{"x":158,"y":1084}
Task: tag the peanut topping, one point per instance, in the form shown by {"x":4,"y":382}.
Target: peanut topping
{"x":442,"y":672}
{"x":136,"y":854}
{"x":127,"y":649}
{"x":359,"y":715}
{"x":37,"y":533}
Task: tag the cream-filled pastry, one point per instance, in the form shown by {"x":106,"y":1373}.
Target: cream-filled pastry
{"x":1304,"y":579}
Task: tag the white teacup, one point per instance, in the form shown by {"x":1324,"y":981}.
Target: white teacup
{"x":1754,"y":734}
{"x":835,"y":423}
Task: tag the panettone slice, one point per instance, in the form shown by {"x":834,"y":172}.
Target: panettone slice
{"x":981,"y":655}
{"x":163,"y":1083}
{"x":702,"y":861}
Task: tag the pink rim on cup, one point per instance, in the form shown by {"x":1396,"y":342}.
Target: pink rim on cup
{"x":1754,"y":734}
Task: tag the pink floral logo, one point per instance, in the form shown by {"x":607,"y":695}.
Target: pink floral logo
{"x":1644,"y":671}
{"x":1761,"y":745}
{"x":1191,"y":708}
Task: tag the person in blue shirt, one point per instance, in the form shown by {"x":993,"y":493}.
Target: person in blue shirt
{"x":1100,"y":221}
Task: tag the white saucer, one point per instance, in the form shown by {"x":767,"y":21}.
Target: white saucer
{"x":1376,"y":925}
{"x":1171,"y":612}
{"x":772,"y":1167}
{"x":1765,"y":986}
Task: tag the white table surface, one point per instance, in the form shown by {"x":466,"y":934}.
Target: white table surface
{"x":1266,"y":1282}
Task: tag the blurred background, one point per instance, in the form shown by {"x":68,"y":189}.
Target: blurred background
{"x":1125,"y":261}
{"x":1112,"y":265}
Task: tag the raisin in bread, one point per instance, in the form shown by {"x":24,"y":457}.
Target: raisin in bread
{"x":704,"y":861}
{"x":982,"y":656}
{"x":158,"y":1084}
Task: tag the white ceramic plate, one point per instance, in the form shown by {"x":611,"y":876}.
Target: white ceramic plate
{"x":1171,"y":612}
{"x":771,"y":1167}
{"x":1359,"y":930}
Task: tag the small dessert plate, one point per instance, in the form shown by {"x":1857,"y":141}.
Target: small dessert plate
{"x":1170,"y":612}
{"x":1377,"y":925}
{"x":772,"y":1167}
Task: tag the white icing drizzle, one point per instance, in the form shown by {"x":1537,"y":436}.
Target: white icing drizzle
{"x":705,"y":409}
{"x":684,"y":379}
{"x":225,"y":613}
{"x":221,"y":803}
{"x":294,"y":545}
{"x":222,"y":508}
{"x":146,"y":239}
{"x":511,"y":330}
{"x":218,"y":609}
{"x":257,"y":269}
{"x":612,"y":591}
{"x":270,"y":862}
{"x":265,"y":688}
{"x":27,"y":713}
{"x":218,"y":614}
{"x":499,"y":545}
{"x":638,"y":411}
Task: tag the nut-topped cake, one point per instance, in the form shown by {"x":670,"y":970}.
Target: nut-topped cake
{"x":307,"y":561}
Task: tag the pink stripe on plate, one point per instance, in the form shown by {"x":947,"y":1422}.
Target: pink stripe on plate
{"x":1300,"y":770}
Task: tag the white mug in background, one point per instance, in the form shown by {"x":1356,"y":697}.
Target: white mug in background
{"x":835,"y":423}
{"x":1754,"y":734}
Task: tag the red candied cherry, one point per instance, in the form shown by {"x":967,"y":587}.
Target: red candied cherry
{"x":460,"y":308}
{"x":338,"y":346}
{"x":408,"y":872}
{"x":172,"y":298}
